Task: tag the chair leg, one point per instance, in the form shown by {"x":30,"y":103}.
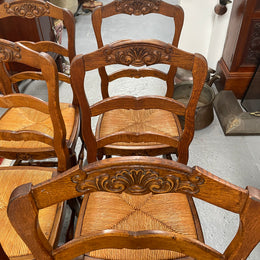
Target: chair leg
{"x":167,"y":156}
{"x":16,"y":88}
{"x":74,"y":205}
{"x":17,"y":162}
{"x":30,"y":162}
{"x":81,"y":155}
{"x":70,"y":231}
{"x":73,"y":159}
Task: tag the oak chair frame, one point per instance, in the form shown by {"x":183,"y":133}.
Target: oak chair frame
{"x":138,"y":53}
{"x":34,"y":9}
{"x":195,"y":182}
{"x":17,"y":52}
{"x":53,"y":228}
{"x":57,"y":144}
{"x":136,"y":8}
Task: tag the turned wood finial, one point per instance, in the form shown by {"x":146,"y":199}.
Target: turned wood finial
{"x":221,"y":8}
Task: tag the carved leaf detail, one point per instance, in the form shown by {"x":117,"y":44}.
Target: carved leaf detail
{"x":137,"y":56}
{"x":139,"y":181}
{"x":9,"y":53}
{"x":137,"y":7}
{"x":27,"y":10}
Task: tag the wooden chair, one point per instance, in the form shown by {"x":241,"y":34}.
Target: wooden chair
{"x":31,"y":129}
{"x":136,"y":208}
{"x":138,"y":7}
{"x":146,"y":125}
{"x":50,"y":219}
{"x":33,"y":9}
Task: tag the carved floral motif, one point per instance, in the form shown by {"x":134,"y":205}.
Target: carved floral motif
{"x":27,"y":10}
{"x":139,"y":181}
{"x":9,"y":53}
{"x":137,"y":7}
{"x":137,"y":56}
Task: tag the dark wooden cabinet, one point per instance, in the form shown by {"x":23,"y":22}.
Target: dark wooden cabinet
{"x":241,"y":52}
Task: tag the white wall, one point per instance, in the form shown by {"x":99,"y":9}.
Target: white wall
{"x":204,"y":31}
{"x":218,"y":36}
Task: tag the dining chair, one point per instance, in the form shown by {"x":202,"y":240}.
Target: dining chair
{"x":144,"y":125}
{"x":31,"y":129}
{"x":137,"y":207}
{"x":137,"y":8}
{"x":50,"y":219}
{"x":34,"y":9}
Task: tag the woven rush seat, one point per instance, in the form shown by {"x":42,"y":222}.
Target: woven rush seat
{"x":138,"y":121}
{"x":10,"y":178}
{"x":30,"y":119}
{"x":167,"y":212}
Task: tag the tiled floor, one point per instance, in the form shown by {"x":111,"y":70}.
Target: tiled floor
{"x":235,"y":159}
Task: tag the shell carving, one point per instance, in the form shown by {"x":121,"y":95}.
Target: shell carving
{"x":27,"y":10}
{"x":137,"y":7}
{"x":137,"y":56}
{"x":139,"y":181}
{"x":9,"y":53}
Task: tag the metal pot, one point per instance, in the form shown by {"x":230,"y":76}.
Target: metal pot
{"x":204,"y":112}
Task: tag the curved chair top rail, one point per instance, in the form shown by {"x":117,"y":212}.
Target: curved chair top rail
{"x":138,"y":7}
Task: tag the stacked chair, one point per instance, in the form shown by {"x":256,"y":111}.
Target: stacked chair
{"x":24,"y":151}
{"x":52,"y":135}
{"x":33,"y":131}
{"x":31,"y":127}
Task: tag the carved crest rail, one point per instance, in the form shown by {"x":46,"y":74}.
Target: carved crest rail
{"x":27,"y":10}
{"x":138,"y":181}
